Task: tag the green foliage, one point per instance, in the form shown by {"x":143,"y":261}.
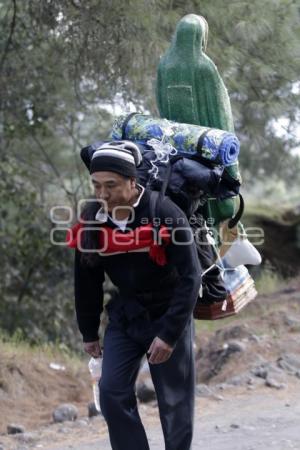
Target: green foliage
{"x":71,"y":58}
{"x":35,"y":275}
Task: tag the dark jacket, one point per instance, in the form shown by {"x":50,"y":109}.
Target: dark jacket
{"x":166,"y":292}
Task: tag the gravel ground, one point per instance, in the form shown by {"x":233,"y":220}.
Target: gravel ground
{"x":244,"y":420}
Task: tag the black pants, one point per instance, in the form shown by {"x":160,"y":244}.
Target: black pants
{"x":174,"y":382}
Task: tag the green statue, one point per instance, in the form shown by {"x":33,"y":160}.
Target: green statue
{"x":189,"y":89}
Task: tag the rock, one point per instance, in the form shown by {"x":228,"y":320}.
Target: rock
{"x":289,"y":290}
{"x":234,"y":346}
{"x":245,"y":379}
{"x":145,"y":391}
{"x":273,"y":383}
{"x":292,"y":322}
{"x":63,"y":430}
{"x":269,"y":370}
{"x":28,"y":438}
{"x":222,"y":386}
{"x":290,"y":363}
{"x":237,"y":380}
{"x":202,"y":390}
{"x":254,"y":338}
{"x":234,"y":425}
{"x":218,"y":358}
{"x":260,"y":372}
{"x":240,"y":380}
{"x":15,"y":429}
{"x":92,"y":411}
{"x":234,"y":332}
{"x":81,"y":423}
{"x":65,"y":412}
{"x":215,"y":353}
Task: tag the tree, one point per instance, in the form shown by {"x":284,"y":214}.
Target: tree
{"x":35,"y":275}
{"x":74,"y":56}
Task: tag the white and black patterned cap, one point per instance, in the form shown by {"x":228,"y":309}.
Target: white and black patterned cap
{"x":121,"y":157}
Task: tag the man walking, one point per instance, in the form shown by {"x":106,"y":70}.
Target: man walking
{"x":158,"y":280}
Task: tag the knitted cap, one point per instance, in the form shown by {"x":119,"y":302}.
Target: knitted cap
{"x":121,"y":157}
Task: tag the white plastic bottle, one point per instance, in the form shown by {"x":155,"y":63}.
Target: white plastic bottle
{"x":95,"y":368}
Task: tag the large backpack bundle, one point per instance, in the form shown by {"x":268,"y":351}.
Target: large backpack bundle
{"x":188,"y":163}
{"x":188,"y":180}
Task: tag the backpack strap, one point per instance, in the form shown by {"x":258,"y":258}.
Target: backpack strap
{"x":234,"y":220}
{"x":198,"y":155}
{"x":155,"y":201}
{"x":163,"y":189}
{"x":153,"y":205}
{"x":125,"y":123}
{"x":229,"y":180}
{"x":201,"y":139}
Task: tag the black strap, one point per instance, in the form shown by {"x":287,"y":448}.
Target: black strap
{"x":154,"y":196}
{"x":162,"y":192}
{"x":153,"y":204}
{"x":125,"y":123}
{"x":233,"y":222}
{"x":229,"y":180}
{"x":201,"y":139}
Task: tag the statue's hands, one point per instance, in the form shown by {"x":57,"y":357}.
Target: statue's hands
{"x":93,"y":348}
{"x":159,"y":351}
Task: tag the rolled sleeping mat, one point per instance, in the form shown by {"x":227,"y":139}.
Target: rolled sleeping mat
{"x":212,"y":144}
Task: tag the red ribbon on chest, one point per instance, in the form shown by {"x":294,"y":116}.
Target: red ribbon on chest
{"x":113,"y":241}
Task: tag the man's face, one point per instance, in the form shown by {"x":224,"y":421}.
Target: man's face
{"x":113,"y":189}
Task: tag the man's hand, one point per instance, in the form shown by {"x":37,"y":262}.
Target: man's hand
{"x":92,"y":348}
{"x":159,"y":351}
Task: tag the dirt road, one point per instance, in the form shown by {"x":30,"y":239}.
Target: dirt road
{"x":244,"y":420}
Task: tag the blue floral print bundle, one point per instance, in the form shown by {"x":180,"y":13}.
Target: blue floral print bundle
{"x":218,"y":146}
